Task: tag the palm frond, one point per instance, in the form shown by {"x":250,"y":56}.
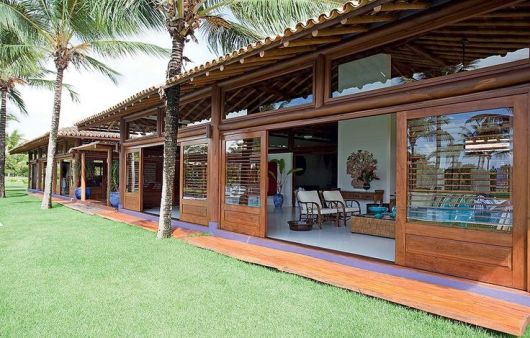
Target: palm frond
{"x":15,"y":97}
{"x":50,"y":85}
{"x":272,"y":16}
{"x":121,"y":48}
{"x":224,"y":36}
{"x":89,"y":63}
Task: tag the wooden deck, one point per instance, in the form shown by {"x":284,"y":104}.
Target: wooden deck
{"x":455,"y":303}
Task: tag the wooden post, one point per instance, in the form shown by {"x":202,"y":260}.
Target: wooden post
{"x":109,"y":173}
{"x":214,"y":155}
{"x":83,"y":177}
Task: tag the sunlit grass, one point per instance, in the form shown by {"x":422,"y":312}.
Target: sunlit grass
{"x":63,"y":273}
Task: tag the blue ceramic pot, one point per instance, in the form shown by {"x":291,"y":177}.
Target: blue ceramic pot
{"x":278,"y":200}
{"x":78,"y":193}
{"x":114,"y":198}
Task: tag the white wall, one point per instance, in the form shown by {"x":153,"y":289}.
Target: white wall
{"x":377,"y":135}
{"x":288,"y":187}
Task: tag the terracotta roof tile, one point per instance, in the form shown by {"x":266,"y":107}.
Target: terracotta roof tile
{"x":72,"y":132}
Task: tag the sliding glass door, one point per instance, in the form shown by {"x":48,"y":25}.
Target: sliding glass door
{"x":244,"y":183}
{"x":462,"y":173}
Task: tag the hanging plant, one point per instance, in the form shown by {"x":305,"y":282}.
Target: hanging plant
{"x":361,"y":166}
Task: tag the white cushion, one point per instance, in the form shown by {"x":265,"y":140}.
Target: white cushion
{"x":309,"y":197}
{"x":352,"y":209}
{"x":328,"y":211}
{"x":333,"y":195}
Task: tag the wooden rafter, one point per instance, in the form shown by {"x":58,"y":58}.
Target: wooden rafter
{"x":428,"y":55}
{"x":286,"y":51}
{"x":339,"y":31}
{"x":310,"y":42}
{"x":364,"y":19}
{"x":403,"y":6}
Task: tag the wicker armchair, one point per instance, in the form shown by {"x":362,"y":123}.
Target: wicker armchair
{"x":312,"y":209}
{"x":347,"y":208}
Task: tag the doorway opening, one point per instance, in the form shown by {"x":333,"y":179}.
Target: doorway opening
{"x":325,"y":185}
{"x":153,"y":163}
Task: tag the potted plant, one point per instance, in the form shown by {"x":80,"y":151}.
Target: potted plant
{"x":281,"y":178}
{"x":114,"y":197}
{"x":361,"y":166}
{"x":77,"y":191}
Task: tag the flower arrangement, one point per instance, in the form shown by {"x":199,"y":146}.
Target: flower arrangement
{"x":361,"y":166}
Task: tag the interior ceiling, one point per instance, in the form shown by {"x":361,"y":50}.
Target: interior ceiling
{"x":497,"y":32}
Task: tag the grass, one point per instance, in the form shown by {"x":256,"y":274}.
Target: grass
{"x":63,"y":273}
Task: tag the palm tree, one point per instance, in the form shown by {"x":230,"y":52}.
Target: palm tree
{"x":226,"y":25}
{"x":19,"y":66}
{"x":73,"y":32}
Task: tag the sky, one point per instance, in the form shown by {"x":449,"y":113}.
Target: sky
{"x":98,"y":93}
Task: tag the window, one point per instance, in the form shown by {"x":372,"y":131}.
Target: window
{"x":195,"y":175}
{"x":243,"y":172}
{"x":133,"y":172}
{"x":143,"y":126}
{"x":196,"y":112}
{"x":460,"y":169}
{"x":290,"y":90}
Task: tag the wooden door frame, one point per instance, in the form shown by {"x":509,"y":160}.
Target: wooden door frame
{"x":262,"y":210}
{"x":140,"y":177}
{"x":520,"y":199}
{"x":196,"y":204}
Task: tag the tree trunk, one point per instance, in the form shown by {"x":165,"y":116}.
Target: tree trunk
{"x":3,"y":121}
{"x":52,"y":140}
{"x":170,"y":138}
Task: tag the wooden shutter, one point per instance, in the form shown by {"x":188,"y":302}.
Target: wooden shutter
{"x":194,"y":184}
{"x":243,"y":172}
{"x":195,"y":173}
{"x":244,"y":183}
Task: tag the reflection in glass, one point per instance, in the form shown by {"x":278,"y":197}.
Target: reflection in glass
{"x":133,"y":172}
{"x":460,"y":169}
{"x":243,"y":158}
{"x":361,"y":73}
{"x":289,"y":90}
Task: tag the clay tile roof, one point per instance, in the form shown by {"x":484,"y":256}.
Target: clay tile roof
{"x":71,"y":132}
{"x":251,"y":49}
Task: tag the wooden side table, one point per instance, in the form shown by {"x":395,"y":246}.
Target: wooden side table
{"x":369,"y":225}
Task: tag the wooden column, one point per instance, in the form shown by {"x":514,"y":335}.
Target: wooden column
{"x":83,"y":177}
{"x":109,"y":173}
{"x":122,"y":162}
{"x":319,"y":82}
{"x":214,"y":157}
{"x":29,"y":170}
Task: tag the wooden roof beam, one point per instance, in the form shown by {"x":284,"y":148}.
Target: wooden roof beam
{"x":403,"y":6}
{"x":473,"y":39}
{"x":309,"y":42}
{"x":423,"y":53}
{"x":364,"y":19}
{"x":286,"y":51}
{"x":339,"y":31}
{"x":475,"y":23}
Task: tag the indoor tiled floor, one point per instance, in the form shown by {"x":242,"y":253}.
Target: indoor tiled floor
{"x":175,"y":214}
{"x":329,"y":237}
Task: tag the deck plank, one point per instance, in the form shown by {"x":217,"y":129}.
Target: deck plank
{"x":452,"y":303}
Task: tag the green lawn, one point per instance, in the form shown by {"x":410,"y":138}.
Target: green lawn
{"x":63,"y":273}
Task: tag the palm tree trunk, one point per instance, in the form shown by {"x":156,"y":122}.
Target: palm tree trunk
{"x":52,"y":141}
{"x":3,"y":121}
{"x":170,"y":138}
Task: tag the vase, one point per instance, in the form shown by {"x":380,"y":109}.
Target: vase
{"x":114,"y":198}
{"x":78,"y":193}
{"x":366,"y":186}
{"x":278,"y":200}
